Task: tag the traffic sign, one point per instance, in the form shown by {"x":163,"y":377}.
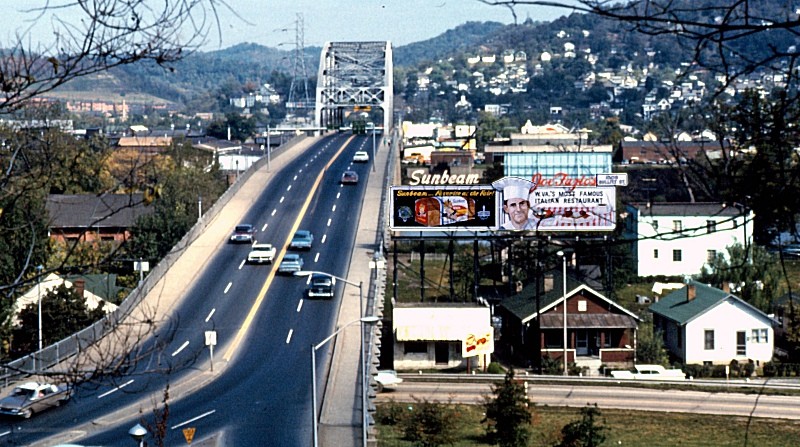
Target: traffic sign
{"x":615,"y":179}
{"x":188,"y":433}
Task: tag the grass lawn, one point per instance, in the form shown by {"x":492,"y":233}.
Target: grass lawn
{"x":624,"y":427}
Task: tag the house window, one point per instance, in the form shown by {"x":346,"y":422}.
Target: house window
{"x":655,"y":253}
{"x":759,"y":336}
{"x":764,"y":336}
{"x":677,"y":226}
{"x":415,"y":347}
{"x":581,"y":305}
{"x":709,"y":339}
{"x":711,"y":255}
{"x":553,"y":339}
{"x":677,"y":255}
{"x":711,"y":226}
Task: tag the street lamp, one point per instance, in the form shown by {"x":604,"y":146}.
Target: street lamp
{"x":368,"y":320}
{"x":564,"y":304}
{"x":39,"y":299}
{"x":138,"y":433}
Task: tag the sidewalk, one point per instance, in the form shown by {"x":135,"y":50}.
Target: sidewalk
{"x":340,"y":419}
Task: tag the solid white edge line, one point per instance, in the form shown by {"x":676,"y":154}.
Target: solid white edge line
{"x":183,"y":346}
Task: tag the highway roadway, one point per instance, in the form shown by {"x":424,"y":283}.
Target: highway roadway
{"x":260,"y":394}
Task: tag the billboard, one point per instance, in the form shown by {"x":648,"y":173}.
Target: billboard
{"x":420,"y":208}
{"x":478,"y":343}
{"x":510,"y":204}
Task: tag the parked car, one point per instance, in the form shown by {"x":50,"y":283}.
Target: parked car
{"x":243,"y":233}
{"x":321,"y":286}
{"x":291,"y":263}
{"x":361,"y":157}
{"x":33,"y":397}
{"x":261,"y":254}
{"x":792,"y":250}
{"x":302,"y":240}
{"x":350,"y":178}
{"x":650,"y":372}
{"x":387,"y":379}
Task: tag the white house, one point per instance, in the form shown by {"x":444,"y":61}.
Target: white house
{"x":704,"y":325}
{"x":50,"y":282}
{"x":431,"y":335}
{"x":677,"y":239}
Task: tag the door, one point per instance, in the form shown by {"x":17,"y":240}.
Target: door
{"x":741,"y":343}
{"x":442,"y":352}
{"x":581,"y":342}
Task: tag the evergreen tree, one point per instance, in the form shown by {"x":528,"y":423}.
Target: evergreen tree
{"x":508,"y":414}
{"x":585,"y":432}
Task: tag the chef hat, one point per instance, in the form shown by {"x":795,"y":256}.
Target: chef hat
{"x":514,"y":187}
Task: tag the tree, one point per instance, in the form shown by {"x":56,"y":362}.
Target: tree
{"x":64,"y":313}
{"x":107,"y":34}
{"x":508,"y":414}
{"x":586,"y":432}
{"x":240,"y":127}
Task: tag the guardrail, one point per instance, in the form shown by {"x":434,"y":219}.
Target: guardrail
{"x":56,"y":353}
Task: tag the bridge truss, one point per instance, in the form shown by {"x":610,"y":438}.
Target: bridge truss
{"x":354,"y":76}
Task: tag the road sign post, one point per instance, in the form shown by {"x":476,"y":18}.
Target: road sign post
{"x":211,"y":340}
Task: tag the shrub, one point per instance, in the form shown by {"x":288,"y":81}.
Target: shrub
{"x":495,"y":368}
{"x":431,"y":424}
{"x":390,"y":413}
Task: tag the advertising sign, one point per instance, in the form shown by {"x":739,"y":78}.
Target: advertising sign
{"x":478,"y":343}
{"x":579,"y":209}
{"x":420,"y":208}
{"x":509,"y":204}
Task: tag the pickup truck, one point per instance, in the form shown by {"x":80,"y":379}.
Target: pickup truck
{"x":33,"y":397}
{"x":261,"y":254}
{"x":650,"y":372}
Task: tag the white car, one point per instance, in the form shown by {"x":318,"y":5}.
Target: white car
{"x":387,"y":379}
{"x":650,"y":372}
{"x":261,"y":254}
{"x":361,"y":157}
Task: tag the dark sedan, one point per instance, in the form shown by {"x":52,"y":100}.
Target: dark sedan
{"x":350,"y":178}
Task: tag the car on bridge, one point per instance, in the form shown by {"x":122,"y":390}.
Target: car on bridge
{"x":243,"y":233}
{"x":291,"y":263}
{"x":302,"y":240}
{"x":349,"y":178}
{"x":321,"y":286}
{"x":33,"y":397}
{"x":361,"y":157}
{"x":261,"y":253}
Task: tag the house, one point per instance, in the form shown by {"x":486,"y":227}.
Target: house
{"x":96,"y":289}
{"x":701,"y":324}
{"x":91,"y":217}
{"x":432,"y":335}
{"x":678,"y":239}
{"x":599,"y":331}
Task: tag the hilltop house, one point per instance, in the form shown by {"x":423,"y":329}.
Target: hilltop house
{"x":704,"y":325}
{"x":678,"y":239}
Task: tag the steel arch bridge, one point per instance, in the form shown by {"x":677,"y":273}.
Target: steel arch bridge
{"x":354,"y":76}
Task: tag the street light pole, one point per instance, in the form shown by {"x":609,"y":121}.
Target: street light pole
{"x":39,"y":299}
{"x":564,"y":304}
{"x":315,"y":418}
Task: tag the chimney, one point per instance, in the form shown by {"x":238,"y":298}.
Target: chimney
{"x":548,"y":282}
{"x":691,"y":292}
{"x":79,"y":285}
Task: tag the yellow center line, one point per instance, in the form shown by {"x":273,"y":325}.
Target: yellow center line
{"x":251,"y":315}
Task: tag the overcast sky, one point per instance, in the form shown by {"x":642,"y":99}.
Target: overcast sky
{"x":273,"y":22}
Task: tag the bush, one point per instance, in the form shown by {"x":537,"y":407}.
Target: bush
{"x":495,"y":368}
{"x":431,"y":424}
{"x":390,"y":413}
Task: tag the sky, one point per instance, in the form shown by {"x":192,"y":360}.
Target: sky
{"x":274,"y":23}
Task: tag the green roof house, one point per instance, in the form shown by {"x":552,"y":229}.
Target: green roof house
{"x":701,"y":324}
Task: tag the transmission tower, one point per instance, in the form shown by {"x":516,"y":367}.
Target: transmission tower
{"x":299,"y":102}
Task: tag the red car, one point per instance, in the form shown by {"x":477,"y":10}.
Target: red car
{"x":349,"y":178}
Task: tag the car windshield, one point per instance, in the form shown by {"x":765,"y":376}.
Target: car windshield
{"x":290,"y":258}
{"x":243,"y":228}
{"x":320,"y":280}
{"x":301,"y":235}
